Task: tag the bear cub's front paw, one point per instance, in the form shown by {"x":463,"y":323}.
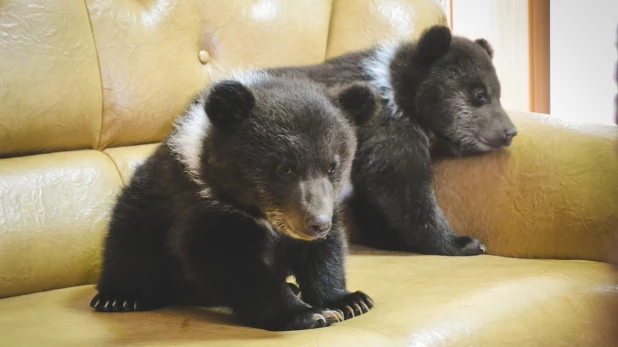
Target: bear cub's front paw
{"x":467,"y":245}
{"x":352,"y":304}
{"x":114,"y":302}
{"x":312,"y":319}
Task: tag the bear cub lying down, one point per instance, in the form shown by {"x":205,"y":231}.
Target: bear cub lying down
{"x":441,"y":95}
{"x":244,"y":193}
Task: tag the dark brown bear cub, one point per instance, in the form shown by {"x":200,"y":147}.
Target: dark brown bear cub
{"x":244,"y":193}
{"x":439,"y":90}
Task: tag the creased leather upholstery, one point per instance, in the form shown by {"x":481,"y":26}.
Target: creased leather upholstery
{"x":143,"y":95}
{"x":420,"y":301}
{"x":101,"y":73}
{"x":127,"y":159}
{"x":53,"y":212}
{"x":553,"y":194}
{"x":360,"y":24}
{"x":50,"y":89}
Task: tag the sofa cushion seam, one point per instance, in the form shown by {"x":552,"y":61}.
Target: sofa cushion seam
{"x":96,"y":49}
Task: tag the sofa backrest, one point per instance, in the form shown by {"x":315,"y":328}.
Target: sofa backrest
{"x":79,"y":77}
{"x":109,"y":73}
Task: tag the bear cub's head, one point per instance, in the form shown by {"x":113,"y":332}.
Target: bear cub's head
{"x":281,"y":149}
{"x":457,"y":91}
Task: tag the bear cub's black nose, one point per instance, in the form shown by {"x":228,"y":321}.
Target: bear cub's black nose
{"x":318,"y":224}
{"x":511,"y":132}
{"x":508,"y":136}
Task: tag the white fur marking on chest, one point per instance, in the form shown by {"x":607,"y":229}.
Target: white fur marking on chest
{"x":191,"y":129}
{"x":377,"y":66}
{"x":186,"y":144}
{"x":187,"y":140}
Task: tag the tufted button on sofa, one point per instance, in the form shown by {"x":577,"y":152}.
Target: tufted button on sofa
{"x":88,"y":88}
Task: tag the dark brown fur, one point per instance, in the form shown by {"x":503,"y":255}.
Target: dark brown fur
{"x":224,"y":211}
{"x":439,"y":90}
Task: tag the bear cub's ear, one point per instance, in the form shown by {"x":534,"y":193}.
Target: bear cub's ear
{"x":486,"y":46}
{"x":434,"y":44}
{"x":229,"y":103}
{"x":359,"y":101}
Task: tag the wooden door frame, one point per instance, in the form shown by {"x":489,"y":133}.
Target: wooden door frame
{"x":538,"y":31}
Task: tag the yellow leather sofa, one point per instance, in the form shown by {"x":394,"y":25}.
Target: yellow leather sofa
{"x":87,"y":89}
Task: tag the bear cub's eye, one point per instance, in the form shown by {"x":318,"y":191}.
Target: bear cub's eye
{"x":332,"y":168}
{"x":286,"y":169}
{"x":480,"y":97}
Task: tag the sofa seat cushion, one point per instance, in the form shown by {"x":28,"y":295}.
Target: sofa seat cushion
{"x":420,"y":301}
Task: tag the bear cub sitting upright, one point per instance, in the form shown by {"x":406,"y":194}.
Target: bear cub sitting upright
{"x":441,"y":96}
{"x":243,"y":193}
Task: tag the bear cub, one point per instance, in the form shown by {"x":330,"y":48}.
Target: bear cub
{"x":242,"y":194}
{"x":442,"y":97}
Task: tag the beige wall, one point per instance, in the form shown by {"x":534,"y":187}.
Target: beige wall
{"x":583,"y":58}
{"x":505,"y":24}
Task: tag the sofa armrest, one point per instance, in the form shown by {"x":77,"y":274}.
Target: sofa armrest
{"x":553,"y":194}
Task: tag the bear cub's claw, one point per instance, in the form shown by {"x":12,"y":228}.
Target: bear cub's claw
{"x":353,"y":304}
{"x":117,"y":303}
{"x":313,"y":319}
{"x":467,"y":245}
